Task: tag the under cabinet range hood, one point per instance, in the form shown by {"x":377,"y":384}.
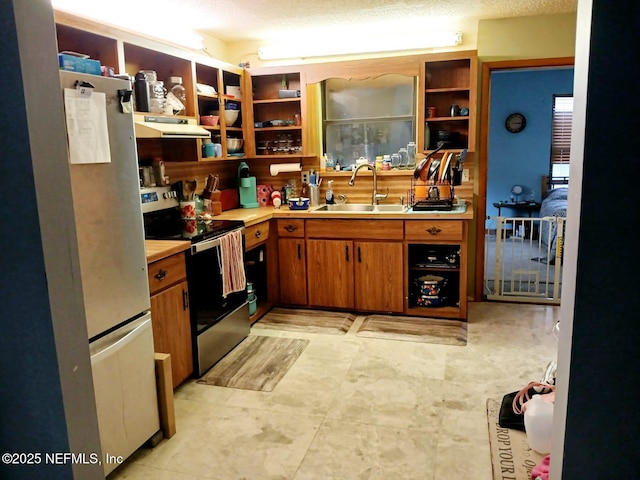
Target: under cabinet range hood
{"x":153,"y":126}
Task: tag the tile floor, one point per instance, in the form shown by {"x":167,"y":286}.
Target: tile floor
{"x":359,"y":408}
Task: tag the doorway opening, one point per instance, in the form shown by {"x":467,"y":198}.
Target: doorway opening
{"x":513,"y":262}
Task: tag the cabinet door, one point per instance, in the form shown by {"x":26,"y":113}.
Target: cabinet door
{"x":330,"y":273}
{"x":172,"y":329}
{"x":378,"y":276}
{"x":293,"y":271}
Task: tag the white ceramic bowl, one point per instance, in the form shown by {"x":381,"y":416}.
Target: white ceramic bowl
{"x":230,"y":117}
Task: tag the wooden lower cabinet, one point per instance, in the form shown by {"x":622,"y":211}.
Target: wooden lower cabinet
{"x":293,"y":271}
{"x":330,"y":273}
{"x":353,"y":274}
{"x":437,"y":248}
{"x":170,"y":315}
{"x":373,"y":265}
{"x":379,"y":276}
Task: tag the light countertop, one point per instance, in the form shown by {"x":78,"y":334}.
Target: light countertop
{"x":159,"y":249}
{"x":251,"y":216}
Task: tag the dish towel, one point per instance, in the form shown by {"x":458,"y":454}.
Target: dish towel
{"x":232,"y":263}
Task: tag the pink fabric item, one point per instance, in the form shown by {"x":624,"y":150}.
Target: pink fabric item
{"x":522,"y":397}
{"x":541,"y":471}
{"x":231,"y":263}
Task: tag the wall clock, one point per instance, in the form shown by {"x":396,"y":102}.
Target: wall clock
{"x":515,"y":123}
{"x":517,"y":190}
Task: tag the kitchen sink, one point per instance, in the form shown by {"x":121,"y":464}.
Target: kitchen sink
{"x":361,"y":207}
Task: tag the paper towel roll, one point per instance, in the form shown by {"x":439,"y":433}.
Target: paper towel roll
{"x":277,"y":168}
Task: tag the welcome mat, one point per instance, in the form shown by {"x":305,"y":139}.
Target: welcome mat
{"x":312,"y":321}
{"x":258,"y":363}
{"x":511,"y":457}
{"x":414,"y":329}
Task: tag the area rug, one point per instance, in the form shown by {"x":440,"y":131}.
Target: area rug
{"x":511,"y":457}
{"x":258,"y":363}
{"x":414,"y":329}
{"x":312,"y":321}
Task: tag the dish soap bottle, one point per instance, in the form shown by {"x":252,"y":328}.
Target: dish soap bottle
{"x":329,"y":195}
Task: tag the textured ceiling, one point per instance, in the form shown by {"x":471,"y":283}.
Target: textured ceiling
{"x":238,"y":20}
{"x":268,"y":21}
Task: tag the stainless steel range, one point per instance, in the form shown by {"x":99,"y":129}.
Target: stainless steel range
{"x":218,"y":323}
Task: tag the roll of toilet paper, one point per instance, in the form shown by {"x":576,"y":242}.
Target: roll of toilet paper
{"x":277,"y":168}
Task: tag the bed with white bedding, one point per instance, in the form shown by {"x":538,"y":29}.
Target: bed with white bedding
{"x":553,"y":205}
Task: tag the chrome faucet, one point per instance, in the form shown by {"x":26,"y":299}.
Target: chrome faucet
{"x":375,"y":197}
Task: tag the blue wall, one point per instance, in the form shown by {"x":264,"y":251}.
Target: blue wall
{"x":521,"y":158}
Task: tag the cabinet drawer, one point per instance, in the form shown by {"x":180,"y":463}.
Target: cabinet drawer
{"x":291,"y":228}
{"x":433,"y":230}
{"x":255,"y":234}
{"x":166,"y":272}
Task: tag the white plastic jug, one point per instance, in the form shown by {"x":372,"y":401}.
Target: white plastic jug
{"x":538,"y":424}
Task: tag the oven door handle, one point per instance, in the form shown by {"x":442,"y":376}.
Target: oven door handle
{"x":205,"y":245}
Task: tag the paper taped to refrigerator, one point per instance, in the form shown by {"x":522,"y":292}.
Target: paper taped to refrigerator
{"x":86,"y":118}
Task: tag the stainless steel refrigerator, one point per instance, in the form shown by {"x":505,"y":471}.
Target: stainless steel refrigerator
{"x":105,"y":187}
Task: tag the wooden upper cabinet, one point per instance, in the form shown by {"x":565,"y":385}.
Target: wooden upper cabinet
{"x":447,"y":81}
{"x":278,"y":112}
{"x":139,"y":58}
{"x":129,"y":53}
{"x":98,"y":47}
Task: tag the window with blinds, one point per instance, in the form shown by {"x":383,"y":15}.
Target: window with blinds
{"x":561,"y":139}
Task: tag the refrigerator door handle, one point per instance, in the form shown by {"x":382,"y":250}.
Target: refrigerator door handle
{"x":121,"y":342}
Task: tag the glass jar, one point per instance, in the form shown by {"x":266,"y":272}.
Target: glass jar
{"x":156,"y":96}
{"x":395,"y":160}
{"x":404,"y":158}
{"x":411,"y":154}
{"x":177,"y":96}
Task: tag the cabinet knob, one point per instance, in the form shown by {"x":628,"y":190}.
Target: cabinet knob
{"x":161,"y":275}
{"x":258,"y":233}
{"x":290,"y":228}
{"x":433,"y":230}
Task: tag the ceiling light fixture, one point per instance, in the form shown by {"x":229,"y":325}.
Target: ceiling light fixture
{"x":386,"y":44}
